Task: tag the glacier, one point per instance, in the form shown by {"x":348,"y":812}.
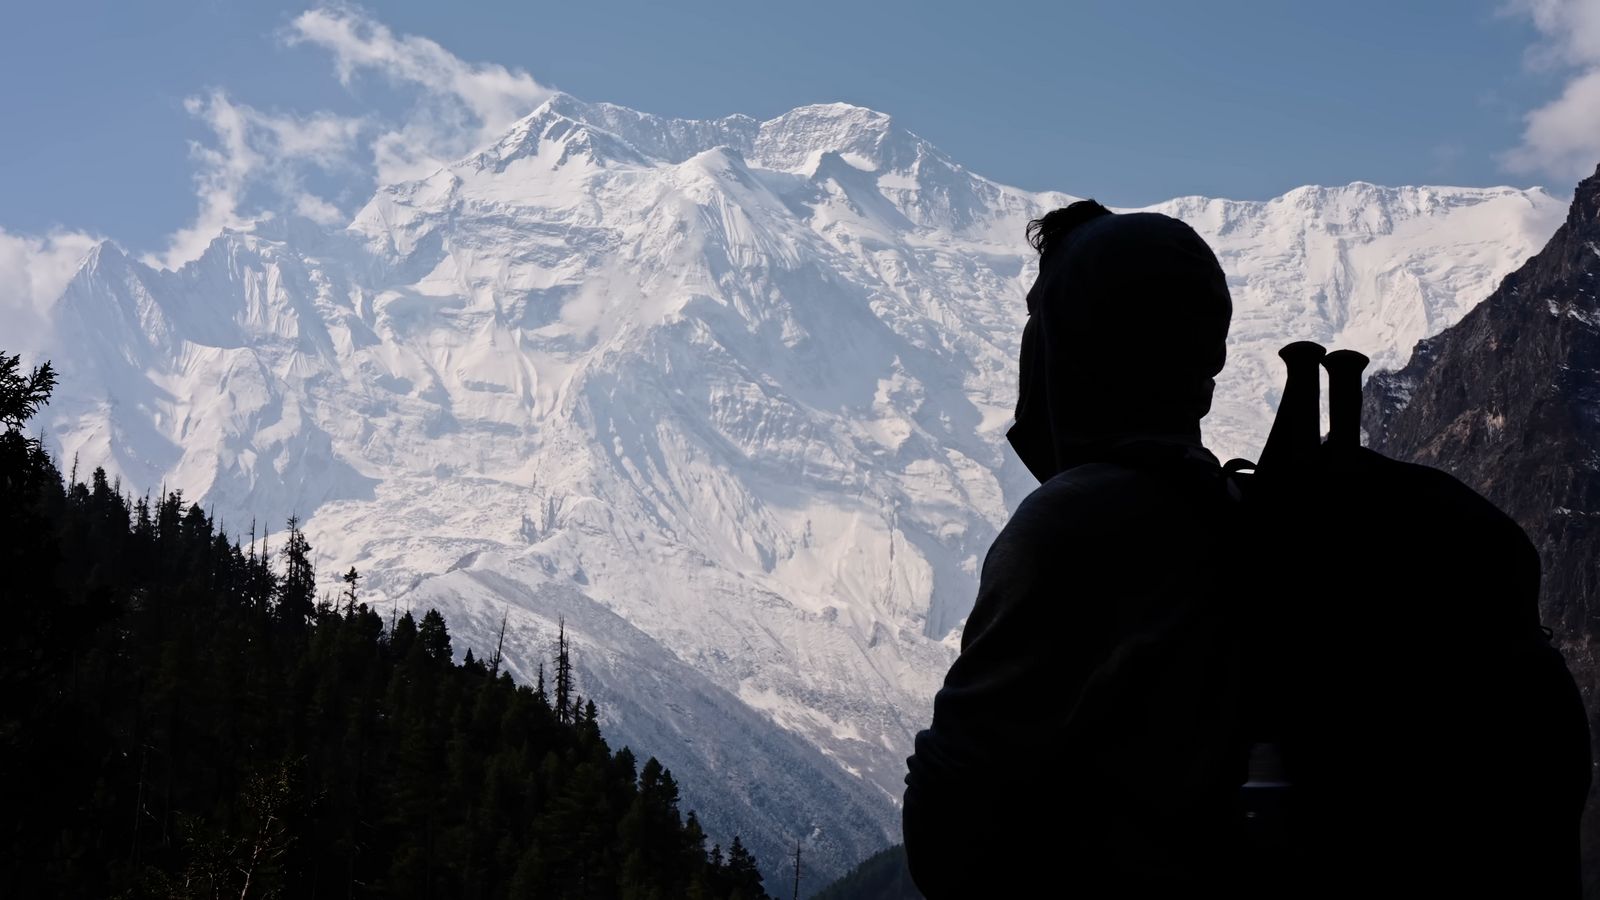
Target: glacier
{"x":729,"y":397}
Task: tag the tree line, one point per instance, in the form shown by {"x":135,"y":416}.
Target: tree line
{"x":181,"y":716}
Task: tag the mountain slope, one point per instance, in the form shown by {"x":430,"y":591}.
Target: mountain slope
{"x":741,"y":384}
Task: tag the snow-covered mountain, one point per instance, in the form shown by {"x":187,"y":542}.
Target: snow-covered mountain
{"x":727,"y":395}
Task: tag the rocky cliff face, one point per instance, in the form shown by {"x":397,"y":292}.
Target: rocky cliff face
{"x":1508,"y":400}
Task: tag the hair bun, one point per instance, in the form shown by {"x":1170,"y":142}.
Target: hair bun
{"x":1047,"y":232}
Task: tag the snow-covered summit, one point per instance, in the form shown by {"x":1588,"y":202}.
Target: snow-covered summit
{"x":790,"y":142}
{"x":728,"y":395}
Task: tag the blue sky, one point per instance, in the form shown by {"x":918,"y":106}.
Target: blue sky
{"x":155,"y":123}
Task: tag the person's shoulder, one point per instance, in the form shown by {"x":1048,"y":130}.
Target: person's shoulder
{"x":1092,"y":498}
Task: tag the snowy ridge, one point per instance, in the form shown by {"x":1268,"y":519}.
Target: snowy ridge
{"x":730,"y":395}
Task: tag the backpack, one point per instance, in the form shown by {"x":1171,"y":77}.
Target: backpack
{"x":1362,"y":702}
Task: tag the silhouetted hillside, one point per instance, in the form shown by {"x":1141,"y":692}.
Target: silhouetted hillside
{"x":881,"y":876}
{"x":183,"y":717}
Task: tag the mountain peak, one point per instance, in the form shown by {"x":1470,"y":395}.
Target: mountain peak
{"x":608,"y":133}
{"x":838,"y":109}
{"x":1585,"y":209}
{"x":864,"y":137}
{"x":101,"y":255}
{"x":561,"y":124}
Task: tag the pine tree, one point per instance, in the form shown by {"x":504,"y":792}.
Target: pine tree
{"x":403,"y":635}
{"x":500,"y":646}
{"x":22,"y":395}
{"x":563,"y":677}
{"x":350,"y":578}
{"x":261,"y":583}
{"x":742,"y":871}
{"x":693,"y":835}
{"x":298,"y":588}
{"x":434,"y":636}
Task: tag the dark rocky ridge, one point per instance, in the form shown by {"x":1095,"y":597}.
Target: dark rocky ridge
{"x":1508,"y":400}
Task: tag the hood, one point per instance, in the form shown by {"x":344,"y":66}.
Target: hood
{"x":1127,"y":328}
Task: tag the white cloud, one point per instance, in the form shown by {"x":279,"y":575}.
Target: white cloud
{"x":460,"y":104}
{"x":33,"y":273}
{"x":495,"y":95}
{"x":256,"y":161}
{"x":1571,"y":29}
{"x":255,"y":147}
{"x":1562,"y":138}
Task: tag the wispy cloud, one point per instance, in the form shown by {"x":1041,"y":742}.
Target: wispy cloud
{"x":1561,"y":138}
{"x":256,"y":162}
{"x":459,"y":104}
{"x":33,"y":273}
{"x":250,"y":148}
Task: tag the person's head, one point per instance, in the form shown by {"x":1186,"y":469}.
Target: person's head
{"x":1127,"y":324}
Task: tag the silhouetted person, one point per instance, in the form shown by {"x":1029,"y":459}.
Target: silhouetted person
{"x":1126,"y":329}
{"x":1355,"y":636}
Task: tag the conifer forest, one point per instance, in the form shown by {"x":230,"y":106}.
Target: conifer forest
{"x":183,"y":715}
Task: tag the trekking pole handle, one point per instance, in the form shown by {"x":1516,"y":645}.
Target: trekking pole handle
{"x":1297,"y":429}
{"x":1344,"y":397}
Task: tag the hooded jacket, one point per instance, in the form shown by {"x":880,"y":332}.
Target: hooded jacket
{"x":1127,"y":319}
